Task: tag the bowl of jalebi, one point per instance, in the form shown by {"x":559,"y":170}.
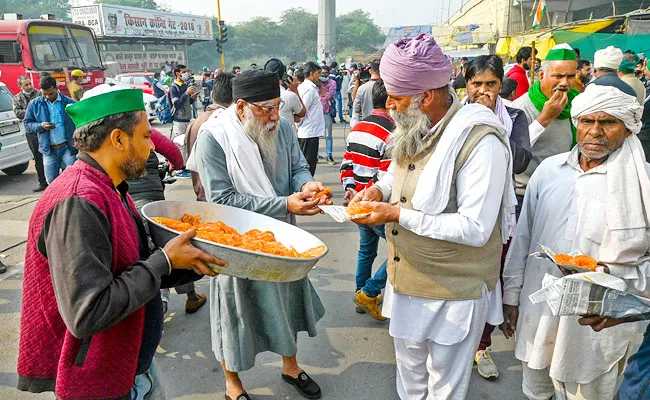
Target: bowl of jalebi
{"x":256,"y":247}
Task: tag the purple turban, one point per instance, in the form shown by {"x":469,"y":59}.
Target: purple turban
{"x":414,"y":65}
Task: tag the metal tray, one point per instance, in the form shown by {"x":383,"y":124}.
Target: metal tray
{"x":242,"y":263}
{"x":550,"y":255}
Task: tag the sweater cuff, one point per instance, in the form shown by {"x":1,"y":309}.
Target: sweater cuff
{"x":160,"y":263}
{"x":510,"y":298}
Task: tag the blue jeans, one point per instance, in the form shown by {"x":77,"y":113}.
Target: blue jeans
{"x":368,"y":243}
{"x":57,"y":160}
{"x":147,"y":385}
{"x":636,"y":379}
{"x":339,"y":104}
{"x":328,"y":135}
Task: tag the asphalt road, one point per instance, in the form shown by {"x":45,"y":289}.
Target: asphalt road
{"x":351,"y":358}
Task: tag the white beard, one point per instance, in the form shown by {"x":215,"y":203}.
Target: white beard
{"x":410,"y":127}
{"x":263,"y":135}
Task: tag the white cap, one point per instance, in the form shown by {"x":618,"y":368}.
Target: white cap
{"x":610,"y":57}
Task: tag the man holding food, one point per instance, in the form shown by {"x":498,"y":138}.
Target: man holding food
{"x":450,"y":177}
{"x":548,"y":108}
{"x":594,"y":200}
{"x":91,"y":315}
{"x":248,"y":157}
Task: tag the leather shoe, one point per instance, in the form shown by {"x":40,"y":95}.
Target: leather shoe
{"x":192,"y":306}
{"x":40,"y":188}
{"x":305,"y":385}
{"x":243,"y":396}
{"x":368,"y":304}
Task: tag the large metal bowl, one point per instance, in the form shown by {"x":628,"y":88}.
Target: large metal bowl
{"x":242,"y":263}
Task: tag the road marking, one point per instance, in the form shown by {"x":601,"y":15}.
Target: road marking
{"x":11,"y":271}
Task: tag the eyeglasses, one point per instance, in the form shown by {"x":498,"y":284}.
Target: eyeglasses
{"x":268,"y":109}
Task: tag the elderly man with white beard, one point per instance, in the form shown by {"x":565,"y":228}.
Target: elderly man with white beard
{"x":451,"y":178}
{"x":595,"y":200}
{"x":248,"y":157}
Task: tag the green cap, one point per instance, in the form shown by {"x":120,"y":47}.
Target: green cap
{"x":627,"y":67}
{"x":95,"y":107}
{"x":561,"y":52}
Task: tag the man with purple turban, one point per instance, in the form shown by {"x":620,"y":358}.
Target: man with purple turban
{"x":451,"y":177}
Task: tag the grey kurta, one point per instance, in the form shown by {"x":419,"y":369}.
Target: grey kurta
{"x":249,"y":317}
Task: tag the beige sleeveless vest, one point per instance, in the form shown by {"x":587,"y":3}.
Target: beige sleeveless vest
{"x":437,"y":269}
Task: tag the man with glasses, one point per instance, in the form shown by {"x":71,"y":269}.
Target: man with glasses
{"x":248,"y":157}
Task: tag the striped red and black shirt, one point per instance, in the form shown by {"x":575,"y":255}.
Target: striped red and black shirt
{"x":365,"y":159}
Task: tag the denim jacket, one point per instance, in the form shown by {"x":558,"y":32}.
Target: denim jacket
{"x":38,"y":112}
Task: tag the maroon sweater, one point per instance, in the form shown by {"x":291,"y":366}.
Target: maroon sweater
{"x":83,"y":304}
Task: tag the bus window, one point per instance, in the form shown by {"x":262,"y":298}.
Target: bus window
{"x":7,"y":53}
{"x":87,"y":47}
{"x":55,"y":47}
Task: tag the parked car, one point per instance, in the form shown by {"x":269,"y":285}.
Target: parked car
{"x":14,"y":150}
{"x":137,"y":80}
{"x":149,"y":99}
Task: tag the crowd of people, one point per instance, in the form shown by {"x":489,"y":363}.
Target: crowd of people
{"x":462,"y":189}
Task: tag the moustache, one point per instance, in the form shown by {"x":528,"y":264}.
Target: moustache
{"x":561,"y":88}
{"x":595,"y":142}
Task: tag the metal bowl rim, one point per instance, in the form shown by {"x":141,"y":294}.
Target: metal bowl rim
{"x":225,"y":246}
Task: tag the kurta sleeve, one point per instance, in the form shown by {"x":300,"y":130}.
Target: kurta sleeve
{"x":219,"y":188}
{"x":480,"y":184}
{"x":515,"y":266}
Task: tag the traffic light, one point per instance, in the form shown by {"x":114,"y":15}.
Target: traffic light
{"x":219,"y":46}
{"x":223,"y":31}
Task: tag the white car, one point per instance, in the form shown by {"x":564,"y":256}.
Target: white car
{"x":148,"y":99}
{"x":14,"y":150}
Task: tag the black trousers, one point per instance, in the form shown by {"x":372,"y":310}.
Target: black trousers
{"x":32,"y":141}
{"x":309,"y":147}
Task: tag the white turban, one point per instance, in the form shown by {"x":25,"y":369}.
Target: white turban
{"x":610,"y":100}
{"x":609,"y":57}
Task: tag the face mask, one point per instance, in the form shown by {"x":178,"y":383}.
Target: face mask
{"x":324,"y":78}
{"x":30,"y":92}
{"x":185,"y":76}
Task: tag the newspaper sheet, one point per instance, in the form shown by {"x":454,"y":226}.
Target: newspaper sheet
{"x":340,"y":213}
{"x":590,"y":293}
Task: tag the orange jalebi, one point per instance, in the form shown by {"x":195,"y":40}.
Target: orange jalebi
{"x":355,"y":209}
{"x":323,"y":192}
{"x":254,"y":240}
{"x":582,"y":261}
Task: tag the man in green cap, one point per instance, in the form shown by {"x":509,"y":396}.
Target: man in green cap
{"x":548,"y":108}
{"x":91,"y":311}
{"x":626,"y":73}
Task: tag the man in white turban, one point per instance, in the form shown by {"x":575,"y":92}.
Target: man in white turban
{"x":596,"y":200}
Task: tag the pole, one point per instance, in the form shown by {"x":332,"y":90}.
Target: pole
{"x":532,"y":70}
{"x":223,"y":57}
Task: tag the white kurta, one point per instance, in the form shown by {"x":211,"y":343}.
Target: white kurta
{"x":564,"y":209}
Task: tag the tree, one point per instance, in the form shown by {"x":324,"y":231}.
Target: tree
{"x":301,"y":29}
{"x":34,"y":9}
{"x":356,"y":30}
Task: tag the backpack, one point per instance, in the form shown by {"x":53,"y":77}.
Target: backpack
{"x":164,"y":110}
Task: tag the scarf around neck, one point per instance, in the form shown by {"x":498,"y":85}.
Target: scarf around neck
{"x":539,"y":99}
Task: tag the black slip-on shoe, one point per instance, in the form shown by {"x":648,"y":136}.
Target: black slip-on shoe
{"x":305,"y":385}
{"x":243,"y":396}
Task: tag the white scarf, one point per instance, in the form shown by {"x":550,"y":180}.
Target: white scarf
{"x":245,"y":167}
{"x":627,"y":205}
{"x":433,"y":197}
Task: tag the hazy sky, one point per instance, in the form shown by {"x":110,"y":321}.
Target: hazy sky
{"x":386,"y":13}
